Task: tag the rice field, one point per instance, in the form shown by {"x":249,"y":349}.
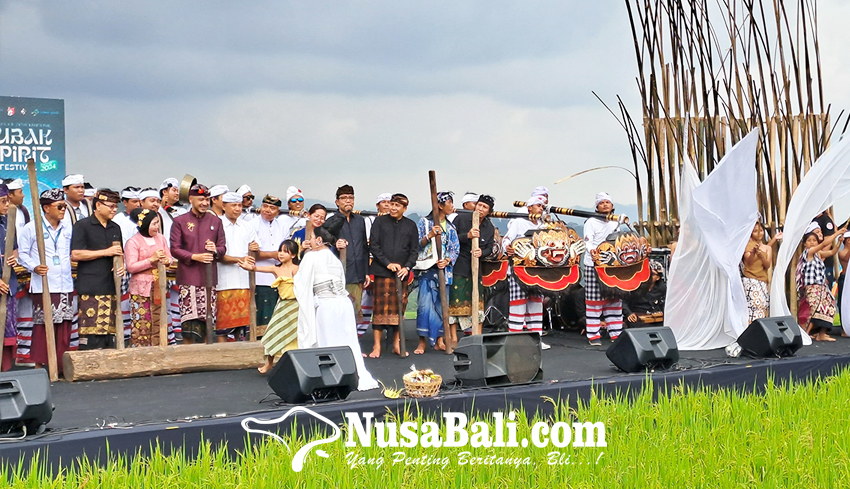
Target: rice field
{"x":787,"y":436}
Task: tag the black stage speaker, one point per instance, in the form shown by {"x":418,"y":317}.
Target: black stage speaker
{"x":641,"y":348}
{"x":499,"y":359}
{"x":25,"y":401}
{"x":772,"y":337}
{"x":314,"y":374}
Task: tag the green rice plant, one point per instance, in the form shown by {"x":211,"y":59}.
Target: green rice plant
{"x":788,"y":435}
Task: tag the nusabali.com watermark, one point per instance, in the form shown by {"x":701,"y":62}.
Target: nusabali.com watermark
{"x":499,"y":437}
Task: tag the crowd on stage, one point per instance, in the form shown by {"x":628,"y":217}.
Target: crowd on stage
{"x":305,"y":296}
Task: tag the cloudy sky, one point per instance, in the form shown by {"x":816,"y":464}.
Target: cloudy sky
{"x":493,"y":95}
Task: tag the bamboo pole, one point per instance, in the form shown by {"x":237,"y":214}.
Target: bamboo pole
{"x":402,"y":344}
{"x":8,"y":250}
{"x":448,"y":330}
{"x":52,"y":366}
{"x":162,"y":283}
{"x":476,"y":325}
{"x":118,"y":263}
{"x":252,"y":304}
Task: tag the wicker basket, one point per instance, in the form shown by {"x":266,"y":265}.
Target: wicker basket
{"x":422,"y":389}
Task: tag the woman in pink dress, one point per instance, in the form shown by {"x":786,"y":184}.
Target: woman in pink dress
{"x":142,"y":253}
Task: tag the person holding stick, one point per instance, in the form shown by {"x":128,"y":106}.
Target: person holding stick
{"x":197,"y":240}
{"x":57,"y":269}
{"x":352,"y":239}
{"x":382,"y":205}
{"x":394,"y":245}
{"x":8,"y":280}
{"x":429,"y":313}
{"x":96,"y":239}
{"x":16,"y":198}
{"x":75,"y":198}
{"x":143,"y":252}
{"x":131,"y":198}
{"x":460,"y":293}
{"x":233,"y":292}
{"x":597,"y":305}
{"x":294,"y":204}
{"x":282,"y":333}
{"x":271,"y":230}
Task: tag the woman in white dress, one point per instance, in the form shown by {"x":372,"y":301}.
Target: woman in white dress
{"x":326,"y":313}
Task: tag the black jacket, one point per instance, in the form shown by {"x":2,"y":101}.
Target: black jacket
{"x":463,"y":223}
{"x":393,"y":241}
{"x":357,"y":254}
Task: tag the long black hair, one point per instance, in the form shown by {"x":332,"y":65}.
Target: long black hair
{"x":291,"y":247}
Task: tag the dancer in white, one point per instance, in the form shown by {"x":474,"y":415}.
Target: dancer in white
{"x":325,"y":314}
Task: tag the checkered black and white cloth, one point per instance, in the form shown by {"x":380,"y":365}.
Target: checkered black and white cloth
{"x":592,"y":290}
{"x":811,"y":272}
{"x":516,"y":292}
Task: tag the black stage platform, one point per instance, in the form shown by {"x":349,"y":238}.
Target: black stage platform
{"x":183,"y":409}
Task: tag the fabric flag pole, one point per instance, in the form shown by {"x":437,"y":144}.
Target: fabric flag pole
{"x":825,"y":183}
{"x":706,"y":306}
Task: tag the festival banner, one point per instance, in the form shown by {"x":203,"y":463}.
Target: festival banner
{"x":32,"y":128}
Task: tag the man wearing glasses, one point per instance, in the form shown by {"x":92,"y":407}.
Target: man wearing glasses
{"x":270,"y":232}
{"x":249,"y":212}
{"x":295,"y":204}
{"x":352,"y":238}
{"x":57,"y":248}
{"x":96,"y":239}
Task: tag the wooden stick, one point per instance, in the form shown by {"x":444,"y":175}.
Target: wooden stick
{"x":163,"y":304}
{"x":343,"y":257}
{"x":7,"y":270}
{"x":449,"y":332}
{"x":476,"y":326}
{"x":209,"y":318}
{"x":252,"y":305}
{"x":52,"y":367}
{"x":118,"y":262}
{"x":402,"y":347}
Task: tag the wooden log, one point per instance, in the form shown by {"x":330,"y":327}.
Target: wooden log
{"x":476,"y":326}
{"x":174,"y":359}
{"x":163,"y":304}
{"x":118,"y":262}
{"x":209,"y":317}
{"x":402,"y":346}
{"x":49,"y":333}
{"x":448,"y":330}
{"x":7,"y":270}
{"x":252,"y":304}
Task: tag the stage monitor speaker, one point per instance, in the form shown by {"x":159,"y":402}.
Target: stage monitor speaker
{"x":25,"y":401}
{"x":314,"y":374}
{"x":499,"y":359}
{"x":772,"y":337}
{"x":642,"y":348}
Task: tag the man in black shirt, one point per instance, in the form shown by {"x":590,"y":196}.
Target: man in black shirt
{"x":352,"y":238}
{"x":460,"y":293}
{"x":395,"y":246}
{"x":95,"y":240}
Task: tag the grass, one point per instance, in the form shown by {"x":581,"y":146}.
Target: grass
{"x":788,"y":436}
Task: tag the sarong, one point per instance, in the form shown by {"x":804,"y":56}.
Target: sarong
{"x":282,"y":332}
{"x":97,"y":315}
{"x":758,"y":299}
{"x":429,"y":313}
{"x":386,"y":310}
{"x":460,"y":296}
{"x":65,"y":332}
{"x":144,"y":320}
{"x":233,"y":309}
{"x":266,"y":301}
{"x":193,"y":303}
{"x":821,"y":304}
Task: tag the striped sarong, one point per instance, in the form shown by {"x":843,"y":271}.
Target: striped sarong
{"x":282,"y":332}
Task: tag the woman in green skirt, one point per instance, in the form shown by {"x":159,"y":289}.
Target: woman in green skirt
{"x":282,"y":331}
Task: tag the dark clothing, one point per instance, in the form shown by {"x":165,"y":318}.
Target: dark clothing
{"x":94,"y":277}
{"x":463,"y":223}
{"x":827,"y":227}
{"x":357,"y":251}
{"x":393,"y":241}
{"x":189,"y":235}
{"x":643,"y":301}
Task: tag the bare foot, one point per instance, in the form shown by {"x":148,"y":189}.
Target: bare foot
{"x":376,"y":352}
{"x":441,"y":345}
{"x":419,"y":350}
{"x":263,"y":369}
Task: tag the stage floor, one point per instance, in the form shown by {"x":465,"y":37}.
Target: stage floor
{"x":83,"y":406}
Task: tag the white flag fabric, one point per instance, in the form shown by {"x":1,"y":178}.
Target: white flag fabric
{"x":706,"y":306}
{"x":827,"y":181}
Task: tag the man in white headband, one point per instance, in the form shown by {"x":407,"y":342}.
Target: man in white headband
{"x":295,"y":204}
{"x":216,"y":205}
{"x":526,"y":309}
{"x":131,"y":199}
{"x":597,"y":306}
{"x":248,"y":210}
{"x":149,"y":199}
{"x":232,"y":292}
{"x":468,"y":202}
{"x":169,"y":207}
{"x":542,"y":192}
{"x":16,"y":198}
{"x":75,"y":198}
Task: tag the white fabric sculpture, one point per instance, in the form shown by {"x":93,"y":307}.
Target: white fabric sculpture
{"x":706,"y":305}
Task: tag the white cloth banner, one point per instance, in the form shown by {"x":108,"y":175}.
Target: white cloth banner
{"x":706,"y":306}
{"x":826,"y":182}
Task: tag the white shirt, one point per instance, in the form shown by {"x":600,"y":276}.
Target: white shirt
{"x":291,"y":224}
{"x":20,"y":220}
{"x":237,"y":236}
{"x":128,"y":227}
{"x":248,"y":216}
{"x":57,"y":243}
{"x":166,"y":221}
{"x":517,"y":229}
{"x":595,"y":232}
{"x":269,"y":236}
